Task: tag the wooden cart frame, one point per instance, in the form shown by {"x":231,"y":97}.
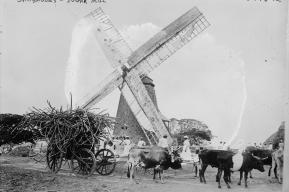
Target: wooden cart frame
{"x":84,"y":160}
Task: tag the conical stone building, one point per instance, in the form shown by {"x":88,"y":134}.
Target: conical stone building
{"x":127,"y":123}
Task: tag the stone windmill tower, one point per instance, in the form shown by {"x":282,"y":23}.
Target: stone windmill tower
{"x":127,"y":123}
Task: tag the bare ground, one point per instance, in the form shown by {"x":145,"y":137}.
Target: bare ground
{"x":23,"y":174}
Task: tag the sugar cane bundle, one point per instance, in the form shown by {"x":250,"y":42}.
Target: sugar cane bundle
{"x":67,"y":130}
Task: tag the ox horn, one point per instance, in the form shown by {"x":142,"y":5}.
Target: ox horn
{"x":255,"y":157}
{"x":259,"y":158}
{"x":264,"y":158}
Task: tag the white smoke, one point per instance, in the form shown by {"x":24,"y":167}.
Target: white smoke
{"x":80,"y":35}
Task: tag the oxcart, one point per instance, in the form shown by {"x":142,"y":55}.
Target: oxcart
{"x":83,"y":159}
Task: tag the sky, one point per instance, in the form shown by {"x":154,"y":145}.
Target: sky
{"x":230,"y":77}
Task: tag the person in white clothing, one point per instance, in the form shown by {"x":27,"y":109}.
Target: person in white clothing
{"x":127,"y":146}
{"x":163,"y":142}
{"x":186,"y":152}
{"x":141,"y":143}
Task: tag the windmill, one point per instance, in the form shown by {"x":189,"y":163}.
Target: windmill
{"x":130,"y":66}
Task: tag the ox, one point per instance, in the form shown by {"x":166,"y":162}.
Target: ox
{"x":228,"y":161}
{"x":265,"y":155}
{"x":152,"y":157}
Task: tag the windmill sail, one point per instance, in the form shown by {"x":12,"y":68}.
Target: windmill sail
{"x":168,"y":41}
{"x":114,"y":46}
{"x":116,"y":51}
{"x":104,"y":88}
{"x":148,"y":56}
{"x":141,"y":62}
{"x":140,"y":116}
{"x":135,"y":108}
{"x":145,"y":103}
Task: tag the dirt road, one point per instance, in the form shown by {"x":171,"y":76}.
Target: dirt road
{"x":22,"y":174}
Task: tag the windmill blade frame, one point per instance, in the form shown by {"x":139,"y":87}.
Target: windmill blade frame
{"x":137,"y":111}
{"x":104,"y":88}
{"x":145,"y":103}
{"x":155,"y":51}
{"x":131,"y":66}
{"x":166,"y":42}
{"x":109,"y":38}
{"x":116,"y":50}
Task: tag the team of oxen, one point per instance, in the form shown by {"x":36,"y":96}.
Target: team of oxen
{"x":226,"y":162}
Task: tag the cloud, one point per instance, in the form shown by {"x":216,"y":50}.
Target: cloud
{"x":136,"y":35}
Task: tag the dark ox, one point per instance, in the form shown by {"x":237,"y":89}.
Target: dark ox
{"x":228,"y":161}
{"x":152,"y":157}
{"x":265,"y":155}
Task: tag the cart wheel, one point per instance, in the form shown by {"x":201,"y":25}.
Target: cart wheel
{"x":83,"y":162}
{"x":53,"y":159}
{"x":105,"y":162}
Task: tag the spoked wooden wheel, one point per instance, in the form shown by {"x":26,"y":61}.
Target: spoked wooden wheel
{"x":83,"y":162}
{"x":53,"y":159}
{"x":105,"y":162}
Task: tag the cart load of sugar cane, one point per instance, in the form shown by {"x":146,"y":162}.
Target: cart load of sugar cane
{"x":69,"y":129}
